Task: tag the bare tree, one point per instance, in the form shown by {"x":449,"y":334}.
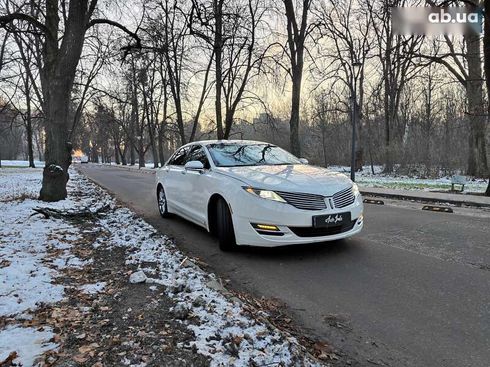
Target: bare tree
{"x":298,"y":30}
{"x":206,"y":22}
{"x":60,"y":57}
{"x":486,"y":54}
{"x":396,"y":55}
{"x":230,"y":30}
{"x":241,"y":57}
{"x":170,"y":36}
{"x":466,"y":67}
{"x":346,"y":26}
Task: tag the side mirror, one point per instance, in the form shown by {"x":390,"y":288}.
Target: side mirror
{"x":303,"y":160}
{"x":194,"y":166}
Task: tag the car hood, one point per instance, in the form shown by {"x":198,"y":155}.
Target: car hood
{"x":291,"y":178}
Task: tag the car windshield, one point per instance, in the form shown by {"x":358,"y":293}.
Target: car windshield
{"x":239,"y":154}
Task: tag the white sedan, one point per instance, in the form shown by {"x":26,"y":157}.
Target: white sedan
{"x":254,"y":193}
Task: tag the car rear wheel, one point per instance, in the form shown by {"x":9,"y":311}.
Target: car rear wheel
{"x":162,"y":202}
{"x":224,"y":227}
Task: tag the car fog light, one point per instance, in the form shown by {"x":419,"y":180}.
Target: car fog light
{"x":267,"y":227}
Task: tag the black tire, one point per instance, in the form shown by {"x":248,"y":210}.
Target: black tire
{"x":224,"y":227}
{"x":162,"y":202}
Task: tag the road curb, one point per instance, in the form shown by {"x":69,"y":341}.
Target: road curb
{"x":424,"y":199}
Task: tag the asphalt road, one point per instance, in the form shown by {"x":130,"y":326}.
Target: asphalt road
{"x":413,"y":289}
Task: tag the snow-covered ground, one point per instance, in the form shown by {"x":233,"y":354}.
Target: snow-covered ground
{"x":27,"y":269}
{"x":34,"y":250}
{"x":16,"y":183}
{"x":17,"y":163}
{"x":366,"y":178}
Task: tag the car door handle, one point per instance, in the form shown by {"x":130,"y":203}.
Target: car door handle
{"x":183,"y":172}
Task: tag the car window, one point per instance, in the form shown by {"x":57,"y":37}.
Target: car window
{"x":243,"y":154}
{"x":180,"y":157}
{"x":197,"y":153}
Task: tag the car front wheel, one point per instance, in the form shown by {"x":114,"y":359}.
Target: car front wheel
{"x":162,"y":202}
{"x":224,"y":227}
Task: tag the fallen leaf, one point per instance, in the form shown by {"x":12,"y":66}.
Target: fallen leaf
{"x":80,"y":358}
{"x":88,"y":348}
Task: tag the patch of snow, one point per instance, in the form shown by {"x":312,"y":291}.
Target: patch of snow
{"x":55,"y":168}
{"x":29,"y":343}
{"x":67,"y":260}
{"x":93,"y":288}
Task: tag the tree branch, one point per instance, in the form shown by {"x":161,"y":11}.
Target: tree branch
{"x":121,"y":27}
{"x":9,"y":18}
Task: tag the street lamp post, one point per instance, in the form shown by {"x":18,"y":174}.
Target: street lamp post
{"x":355,"y":67}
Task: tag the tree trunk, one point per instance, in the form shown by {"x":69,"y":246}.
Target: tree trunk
{"x":388,"y":154}
{"x":38,"y":137}
{"x":30,"y":150}
{"x":134,"y":119}
{"x":122,"y":154}
{"x":58,"y":149}
{"x":132,"y":154}
{"x":359,"y":153}
{"x":57,"y":92}
{"x":324,"y":144}
{"x":176,"y":95}
{"x":141,"y":157}
{"x":295,"y":105}
{"x":154,"y":149}
{"x":486,"y":54}
{"x":94,"y":154}
{"x":477,"y":158}
{"x":387,"y":105}
{"x":228,"y":124}
{"x":218,"y":48}
{"x":161,"y":153}
{"x":116,"y":154}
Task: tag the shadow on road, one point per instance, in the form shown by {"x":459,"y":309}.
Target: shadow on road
{"x":303,"y":251}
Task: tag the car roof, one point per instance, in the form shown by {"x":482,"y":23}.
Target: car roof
{"x":233,"y":141}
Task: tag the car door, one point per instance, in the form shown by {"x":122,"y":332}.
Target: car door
{"x":199,"y":188}
{"x":175,"y":185}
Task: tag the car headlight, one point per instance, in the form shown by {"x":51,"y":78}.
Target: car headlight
{"x":355,"y":190}
{"x":264,"y":194}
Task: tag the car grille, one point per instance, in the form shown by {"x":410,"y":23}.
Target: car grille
{"x":320,"y":232}
{"x":344,"y":198}
{"x":304,"y":201}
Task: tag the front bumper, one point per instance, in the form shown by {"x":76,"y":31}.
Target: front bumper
{"x":294,"y":224}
